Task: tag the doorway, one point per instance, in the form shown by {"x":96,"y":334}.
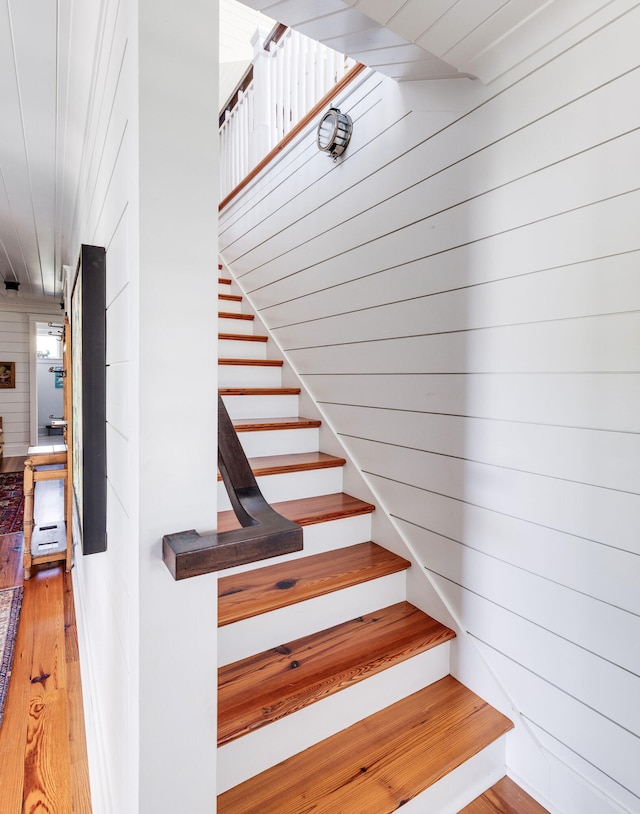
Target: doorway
{"x":46,"y":379}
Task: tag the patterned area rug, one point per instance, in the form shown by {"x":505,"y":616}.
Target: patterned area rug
{"x":10,"y":604}
{"x":11,"y":502}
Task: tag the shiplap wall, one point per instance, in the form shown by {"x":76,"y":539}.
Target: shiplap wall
{"x":461,"y":295}
{"x":140,"y":185}
{"x":102,"y":187}
{"x":14,"y":404}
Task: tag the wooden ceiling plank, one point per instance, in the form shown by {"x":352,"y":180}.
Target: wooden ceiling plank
{"x":492,"y":30}
{"x":461,"y":19}
{"x":415,"y":17}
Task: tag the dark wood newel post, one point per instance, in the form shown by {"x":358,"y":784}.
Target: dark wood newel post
{"x":264,"y":532}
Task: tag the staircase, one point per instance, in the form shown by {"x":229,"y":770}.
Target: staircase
{"x":334,"y":692}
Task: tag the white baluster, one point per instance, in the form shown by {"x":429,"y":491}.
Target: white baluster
{"x":295,"y":74}
{"x":261,"y":138}
{"x":287,"y":53}
{"x":288,"y":79}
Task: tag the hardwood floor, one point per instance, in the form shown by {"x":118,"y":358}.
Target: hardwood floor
{"x":43,"y":754}
{"x":15,"y":464}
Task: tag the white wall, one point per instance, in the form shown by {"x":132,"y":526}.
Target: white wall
{"x":138,"y":124}
{"x":49,"y":396}
{"x":15,"y":347}
{"x":461,"y":294}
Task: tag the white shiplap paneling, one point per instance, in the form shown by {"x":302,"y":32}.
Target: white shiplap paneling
{"x":460,"y":294}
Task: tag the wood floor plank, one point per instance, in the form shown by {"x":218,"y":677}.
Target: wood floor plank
{"x":13,"y":732}
{"x":79,"y":778}
{"x":241,"y":596}
{"x":267,"y":686}
{"x":43,"y":760}
{"x":505,"y":797}
{"x":47,"y":767}
{"x":309,"y":510}
{"x":11,"y":571}
{"x":14,"y":463}
{"x":380,"y":763}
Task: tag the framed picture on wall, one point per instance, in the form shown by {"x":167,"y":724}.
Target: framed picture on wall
{"x":88,"y":447}
{"x":7,"y":374}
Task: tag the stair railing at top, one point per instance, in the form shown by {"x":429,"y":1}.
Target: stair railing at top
{"x":264,"y":532}
{"x":288,"y":75}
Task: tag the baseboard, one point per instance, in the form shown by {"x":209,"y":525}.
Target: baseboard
{"x":101,"y":800}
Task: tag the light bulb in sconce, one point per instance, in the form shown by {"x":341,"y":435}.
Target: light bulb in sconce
{"x":334,"y":132}
{"x":11,"y":289}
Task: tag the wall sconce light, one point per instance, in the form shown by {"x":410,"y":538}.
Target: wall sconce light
{"x":11,"y":289}
{"x":334,"y":132}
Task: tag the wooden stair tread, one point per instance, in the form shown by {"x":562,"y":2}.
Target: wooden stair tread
{"x":224,"y":280}
{"x":377,"y":764}
{"x":506,"y":797}
{"x":242,"y":596}
{"x":229,"y":315}
{"x":277,"y":423}
{"x":309,"y":510}
{"x":243,"y":337}
{"x":252,"y":362}
{"x":259,"y":391}
{"x":265,"y":687}
{"x":294,"y":462}
{"x":230,"y":297}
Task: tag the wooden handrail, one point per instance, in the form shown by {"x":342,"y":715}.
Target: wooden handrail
{"x":264,"y":532}
{"x":275,"y":35}
{"x":295,"y":130}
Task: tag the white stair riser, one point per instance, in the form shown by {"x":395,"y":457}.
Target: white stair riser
{"x":241,"y":639}
{"x":253,"y":753}
{"x":279,"y":442}
{"x":261,"y":406}
{"x":291,"y":486}
{"x":322,"y":537}
{"x":249,"y":376}
{"x":224,"y":288}
{"x":228,"y":325}
{"x":239,"y":349}
{"x":458,"y":788}
{"x":230,"y":306}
